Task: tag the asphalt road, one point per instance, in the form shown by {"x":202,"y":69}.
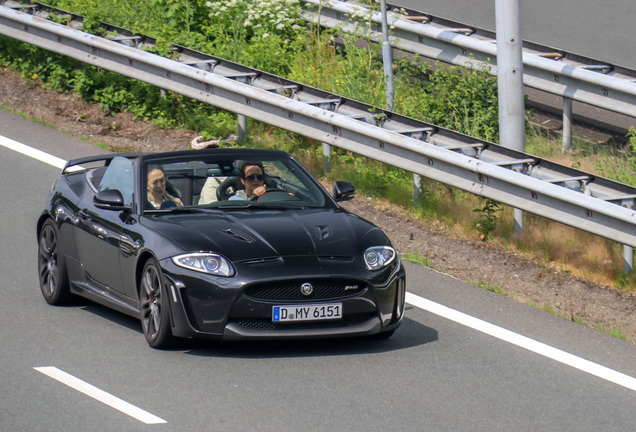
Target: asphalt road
{"x":603,"y":30}
{"x":434,"y":374}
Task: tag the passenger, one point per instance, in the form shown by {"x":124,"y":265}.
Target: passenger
{"x":252,"y":177}
{"x":157,"y":195}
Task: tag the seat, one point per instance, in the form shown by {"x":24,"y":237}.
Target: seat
{"x":172,"y":190}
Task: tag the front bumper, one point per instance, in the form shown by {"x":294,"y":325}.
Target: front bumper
{"x":204,"y":306}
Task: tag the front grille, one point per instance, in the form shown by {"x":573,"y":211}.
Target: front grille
{"x":267,"y":324}
{"x":323,"y":289}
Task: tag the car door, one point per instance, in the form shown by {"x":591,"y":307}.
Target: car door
{"x":99,"y":232}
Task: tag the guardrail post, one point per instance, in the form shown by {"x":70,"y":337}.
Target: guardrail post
{"x":417,"y":188}
{"x":567,"y":125}
{"x":510,"y":81}
{"x":628,"y":259}
{"x":326,"y":154}
{"x":387,"y":58}
{"x":518,"y":217}
{"x":242,"y":128}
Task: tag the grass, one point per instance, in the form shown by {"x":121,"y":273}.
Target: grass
{"x":614,"y":332}
{"x":416,"y":259}
{"x":27,"y":116}
{"x":492,"y":288}
{"x":617,"y":333}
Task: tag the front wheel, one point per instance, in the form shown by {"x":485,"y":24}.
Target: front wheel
{"x":155,"y":318}
{"x":52,"y":266}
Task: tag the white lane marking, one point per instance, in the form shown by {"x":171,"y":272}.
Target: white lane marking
{"x":34,"y":153}
{"x":100,"y":395}
{"x":523,"y":341}
{"x":443,"y":311}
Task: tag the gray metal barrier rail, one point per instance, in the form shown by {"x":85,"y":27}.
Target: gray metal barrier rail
{"x":575,"y":78}
{"x":555,"y":71}
{"x":563,"y":194}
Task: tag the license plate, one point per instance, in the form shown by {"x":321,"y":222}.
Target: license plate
{"x":313,"y":312}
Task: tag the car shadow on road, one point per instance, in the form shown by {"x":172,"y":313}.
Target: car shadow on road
{"x":410,"y":334}
{"x":111,"y":315}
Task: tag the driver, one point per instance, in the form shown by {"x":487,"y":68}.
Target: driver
{"x":252,"y":177}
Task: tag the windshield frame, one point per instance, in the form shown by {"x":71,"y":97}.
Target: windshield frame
{"x":227,"y":161}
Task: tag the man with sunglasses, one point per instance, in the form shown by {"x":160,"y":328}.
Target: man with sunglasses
{"x":252,"y":177}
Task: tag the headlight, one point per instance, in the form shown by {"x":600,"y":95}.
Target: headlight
{"x":377,"y":257}
{"x":205,"y":263}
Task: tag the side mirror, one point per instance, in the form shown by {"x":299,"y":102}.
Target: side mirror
{"x":110,"y":199}
{"x":343,"y":191}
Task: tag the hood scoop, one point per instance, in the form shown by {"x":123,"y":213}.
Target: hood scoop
{"x":323,"y":231}
{"x":238,"y":235}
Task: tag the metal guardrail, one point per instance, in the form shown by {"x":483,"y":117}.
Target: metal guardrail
{"x":563,"y":194}
{"x":551,"y":70}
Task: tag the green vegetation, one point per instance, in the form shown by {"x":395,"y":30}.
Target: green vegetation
{"x":496,"y":288}
{"x":416,"y":259}
{"x":268,"y":35}
{"x":265,"y":35}
{"x":617,"y":333}
{"x":488,"y":217}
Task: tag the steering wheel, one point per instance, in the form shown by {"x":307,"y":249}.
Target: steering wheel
{"x":232,"y":183}
{"x":257,"y":197}
{"x":276,"y":195}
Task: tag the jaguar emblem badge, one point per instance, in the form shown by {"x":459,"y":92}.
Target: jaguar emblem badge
{"x":306,"y":288}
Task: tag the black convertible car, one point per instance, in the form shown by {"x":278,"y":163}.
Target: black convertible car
{"x":220,"y":243}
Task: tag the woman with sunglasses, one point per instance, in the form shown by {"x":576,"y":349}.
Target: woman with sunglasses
{"x":252,"y":177}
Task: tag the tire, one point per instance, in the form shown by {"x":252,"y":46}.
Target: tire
{"x":153,"y":300}
{"x":52,"y":266}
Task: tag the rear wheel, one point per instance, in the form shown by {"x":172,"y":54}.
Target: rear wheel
{"x":52,"y":266}
{"x":155,"y":318}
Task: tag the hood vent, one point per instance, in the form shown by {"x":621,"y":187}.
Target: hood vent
{"x":335,"y":258}
{"x":323,"y":231}
{"x":238,"y":235}
{"x":265,"y":260}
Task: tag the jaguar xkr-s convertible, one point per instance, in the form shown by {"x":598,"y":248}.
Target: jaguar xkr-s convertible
{"x":219,"y":243}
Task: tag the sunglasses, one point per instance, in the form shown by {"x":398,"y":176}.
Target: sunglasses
{"x":254,"y":177}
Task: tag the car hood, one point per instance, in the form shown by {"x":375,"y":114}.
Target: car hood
{"x":249,"y":235}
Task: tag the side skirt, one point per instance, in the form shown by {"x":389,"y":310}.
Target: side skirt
{"x":106,"y":297}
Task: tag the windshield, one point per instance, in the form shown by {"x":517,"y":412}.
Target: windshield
{"x":198,"y":183}
{"x":119,"y":176}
